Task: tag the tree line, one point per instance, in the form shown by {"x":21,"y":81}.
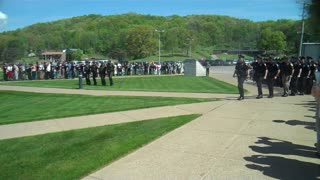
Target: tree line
{"x":132,"y":36}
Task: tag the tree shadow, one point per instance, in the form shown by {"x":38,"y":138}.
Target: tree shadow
{"x":282,"y":167}
{"x":307,"y":125}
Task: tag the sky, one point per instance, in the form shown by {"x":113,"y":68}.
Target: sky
{"x":16,"y":14}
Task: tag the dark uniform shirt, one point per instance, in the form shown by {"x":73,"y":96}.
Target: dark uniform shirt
{"x":260,"y":70}
{"x":312,"y":71}
{"x":272,"y":70}
{"x":241,"y":69}
{"x":286,"y":68}
{"x":296,"y":66}
{"x":305,"y":70}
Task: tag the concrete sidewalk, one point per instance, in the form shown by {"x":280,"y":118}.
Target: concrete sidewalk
{"x":251,"y":139}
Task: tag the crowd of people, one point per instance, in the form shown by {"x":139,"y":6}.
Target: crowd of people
{"x":295,"y":75}
{"x":71,"y":70}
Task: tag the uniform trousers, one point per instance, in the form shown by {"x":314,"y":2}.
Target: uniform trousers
{"x":240,"y":85}
{"x":285,"y":83}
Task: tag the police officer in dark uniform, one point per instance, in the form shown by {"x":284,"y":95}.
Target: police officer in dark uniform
{"x":273,"y":73}
{"x":241,"y":71}
{"x":286,"y":71}
{"x":254,"y":65}
{"x":296,"y":74}
{"x":312,"y":75}
{"x":110,"y":71}
{"x":102,"y":73}
{"x":305,"y":73}
{"x":94,"y":70}
{"x":260,"y":74}
{"x":87,"y":72}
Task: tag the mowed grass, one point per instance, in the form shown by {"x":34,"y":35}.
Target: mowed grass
{"x":145,"y":83}
{"x":75,"y":154}
{"x":26,"y":106}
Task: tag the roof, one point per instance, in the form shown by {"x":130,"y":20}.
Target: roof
{"x":52,"y":53}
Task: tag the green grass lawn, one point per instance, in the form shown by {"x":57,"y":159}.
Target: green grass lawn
{"x":26,"y":106}
{"x":145,"y":83}
{"x":77,"y":153}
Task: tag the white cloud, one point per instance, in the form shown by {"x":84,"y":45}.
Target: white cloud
{"x":3,"y":19}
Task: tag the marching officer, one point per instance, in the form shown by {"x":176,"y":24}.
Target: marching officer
{"x":260,"y":74}
{"x":312,"y":75}
{"x":110,"y":71}
{"x":305,"y":73}
{"x":102,"y":73}
{"x":242,"y":73}
{"x":286,"y":71}
{"x":87,"y":71}
{"x":296,"y":75}
{"x":94,"y":70}
{"x":273,"y":73}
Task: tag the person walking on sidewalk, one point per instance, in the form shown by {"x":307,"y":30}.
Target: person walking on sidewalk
{"x":272,"y":75}
{"x":286,"y":70}
{"x":242,"y":73}
{"x":261,"y":74}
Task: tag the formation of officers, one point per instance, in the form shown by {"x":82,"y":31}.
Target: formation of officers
{"x":294,"y":74}
{"x":96,"y":69}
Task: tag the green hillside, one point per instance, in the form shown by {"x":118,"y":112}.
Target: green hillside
{"x":132,"y":36}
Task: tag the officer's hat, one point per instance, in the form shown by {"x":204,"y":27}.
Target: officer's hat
{"x":241,"y":56}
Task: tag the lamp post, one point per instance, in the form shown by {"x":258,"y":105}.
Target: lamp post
{"x":302,"y":25}
{"x":190,"y":40}
{"x":159,"y":32}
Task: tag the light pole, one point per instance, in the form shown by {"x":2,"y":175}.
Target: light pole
{"x":159,"y":32}
{"x":302,"y":25}
{"x":190,"y":39}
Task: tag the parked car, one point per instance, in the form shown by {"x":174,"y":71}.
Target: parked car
{"x":228,"y":62}
{"x":218,"y":62}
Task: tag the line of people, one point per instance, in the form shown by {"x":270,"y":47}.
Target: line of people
{"x":293,"y":75}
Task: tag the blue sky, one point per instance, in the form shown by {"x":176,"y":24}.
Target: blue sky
{"x":20,"y":13}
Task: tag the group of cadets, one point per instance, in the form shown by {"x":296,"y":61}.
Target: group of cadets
{"x":94,"y":69}
{"x":294,"y":74}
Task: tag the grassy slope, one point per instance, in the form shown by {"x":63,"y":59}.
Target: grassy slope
{"x":74,"y":154}
{"x":25,"y":106}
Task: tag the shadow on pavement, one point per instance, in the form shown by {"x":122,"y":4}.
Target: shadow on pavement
{"x":282,"y":167}
{"x":307,"y":125}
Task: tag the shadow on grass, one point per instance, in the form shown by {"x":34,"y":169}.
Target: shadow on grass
{"x":282,"y":167}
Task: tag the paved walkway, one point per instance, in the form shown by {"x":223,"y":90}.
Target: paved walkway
{"x":250,"y":139}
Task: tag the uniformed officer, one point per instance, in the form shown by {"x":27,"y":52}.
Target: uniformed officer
{"x":286,"y":71}
{"x":242,"y":72}
{"x":273,"y":73}
{"x":254,"y":65}
{"x":102,"y":73}
{"x":296,"y":75}
{"x":110,"y":71}
{"x":87,"y":71}
{"x":312,"y":78}
{"x":260,"y":74}
{"x":94,"y":70}
{"x":305,"y":73}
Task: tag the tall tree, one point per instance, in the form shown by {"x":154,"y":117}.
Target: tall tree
{"x":272,"y":40}
{"x":140,"y":42}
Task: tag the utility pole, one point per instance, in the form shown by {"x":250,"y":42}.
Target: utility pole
{"x":190,"y":40}
{"x":302,"y":25}
{"x":159,"y":32}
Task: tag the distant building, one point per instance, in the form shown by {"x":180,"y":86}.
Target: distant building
{"x":54,"y":56}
